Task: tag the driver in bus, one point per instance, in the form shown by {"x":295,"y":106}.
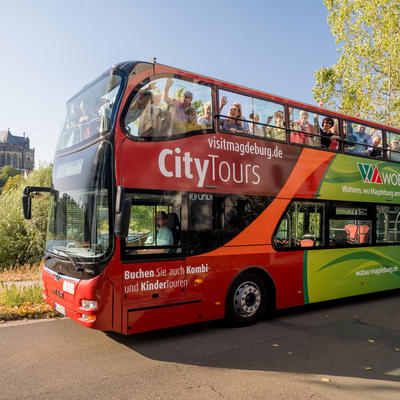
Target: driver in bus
{"x":164,"y":235}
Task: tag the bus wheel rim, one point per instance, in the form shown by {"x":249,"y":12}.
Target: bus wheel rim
{"x":247,"y":299}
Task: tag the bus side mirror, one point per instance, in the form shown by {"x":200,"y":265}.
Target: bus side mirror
{"x":27,"y":206}
{"x":122,"y":213}
{"x":27,"y":197}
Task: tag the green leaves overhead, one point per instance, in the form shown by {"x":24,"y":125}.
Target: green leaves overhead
{"x":366,"y":76}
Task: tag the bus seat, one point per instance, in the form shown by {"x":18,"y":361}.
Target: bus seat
{"x":306,"y":242}
{"x":352,"y":231}
{"x":363,"y":234}
{"x":173,"y":225}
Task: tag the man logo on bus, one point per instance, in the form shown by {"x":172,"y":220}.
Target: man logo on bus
{"x":370,"y":173}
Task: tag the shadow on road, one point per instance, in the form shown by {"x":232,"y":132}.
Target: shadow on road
{"x":358,"y":337}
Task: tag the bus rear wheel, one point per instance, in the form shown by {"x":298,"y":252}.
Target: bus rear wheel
{"x":246,"y":300}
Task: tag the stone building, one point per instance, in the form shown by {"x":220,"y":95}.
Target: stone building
{"x":15,"y":151}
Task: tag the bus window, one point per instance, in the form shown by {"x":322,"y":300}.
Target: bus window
{"x":214,"y":219}
{"x":313,"y":129}
{"x":349,"y":226}
{"x":251,"y":116}
{"x":273,"y":116}
{"x":236,"y":109}
{"x":393,"y":140}
{"x":155,"y":224}
{"x":362,"y":140}
{"x":387,"y":224}
{"x":327,"y":129}
{"x":90,"y":113}
{"x":168,"y":107}
{"x":301,"y":226}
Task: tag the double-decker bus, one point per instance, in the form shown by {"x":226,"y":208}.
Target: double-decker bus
{"x":179,"y":198}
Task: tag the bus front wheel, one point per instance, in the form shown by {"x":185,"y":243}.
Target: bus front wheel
{"x":246,"y":300}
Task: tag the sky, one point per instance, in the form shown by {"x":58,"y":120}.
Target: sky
{"x":49,"y":49}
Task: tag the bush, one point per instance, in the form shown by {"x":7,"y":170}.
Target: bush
{"x":23,"y":241}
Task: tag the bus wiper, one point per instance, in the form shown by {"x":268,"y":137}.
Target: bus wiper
{"x":68,"y":255}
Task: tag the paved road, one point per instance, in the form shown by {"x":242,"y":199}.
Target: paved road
{"x":316,"y":353}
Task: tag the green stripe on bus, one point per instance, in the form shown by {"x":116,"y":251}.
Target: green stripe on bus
{"x":305,"y":284}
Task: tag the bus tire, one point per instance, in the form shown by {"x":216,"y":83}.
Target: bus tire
{"x":246,"y":300}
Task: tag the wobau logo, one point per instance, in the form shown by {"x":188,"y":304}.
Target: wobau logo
{"x":370,"y":173}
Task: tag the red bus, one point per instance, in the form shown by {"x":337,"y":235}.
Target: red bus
{"x":179,"y":198}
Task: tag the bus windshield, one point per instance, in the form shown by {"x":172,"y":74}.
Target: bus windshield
{"x":90,"y":113}
{"x":79,"y":220}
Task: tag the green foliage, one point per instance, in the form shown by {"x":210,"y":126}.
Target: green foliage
{"x":7,"y":172}
{"x":14,"y":297}
{"x":366,"y":77}
{"x":198,"y":106}
{"x":141,"y":219}
{"x":22,"y":241}
{"x":13,"y":182}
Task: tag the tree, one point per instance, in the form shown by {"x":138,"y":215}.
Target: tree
{"x":366,"y":77}
{"x":23,"y":241}
{"x":7,"y":172}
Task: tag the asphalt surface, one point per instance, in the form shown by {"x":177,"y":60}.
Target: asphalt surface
{"x":342,"y":350}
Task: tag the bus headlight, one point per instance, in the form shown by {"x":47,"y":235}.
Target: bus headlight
{"x":89,"y":304}
{"x":88,"y":318}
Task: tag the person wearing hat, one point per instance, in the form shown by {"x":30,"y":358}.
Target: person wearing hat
{"x":179,"y":106}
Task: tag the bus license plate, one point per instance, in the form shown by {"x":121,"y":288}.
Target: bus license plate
{"x":59,"y":308}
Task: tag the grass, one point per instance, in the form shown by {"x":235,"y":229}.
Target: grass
{"x":20,"y":273}
{"x":12,"y":296}
{"x":19,"y":302}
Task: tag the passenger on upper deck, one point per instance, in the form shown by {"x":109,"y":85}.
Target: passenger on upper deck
{"x":394,"y":150}
{"x":376,"y":151}
{"x":364,"y":140}
{"x":89,"y":119}
{"x":232,"y":124}
{"x":304,"y":126}
{"x":276,"y":132}
{"x":73,"y":117}
{"x":307,"y":128}
{"x":179,"y":106}
{"x":324,"y":131}
{"x":255,"y":129}
{"x":190,"y":125}
{"x":206,"y":119}
{"x":140,"y":109}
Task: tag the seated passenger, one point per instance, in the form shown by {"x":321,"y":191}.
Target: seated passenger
{"x":335,"y":136}
{"x":206,"y":119}
{"x":190,"y":125}
{"x":376,"y":151}
{"x":71,"y":133}
{"x":394,"y":150}
{"x":364,"y":140}
{"x":325,"y":133}
{"x":89,"y":120}
{"x":295,"y":137}
{"x":349,"y":138}
{"x":307,"y":137}
{"x":233,"y":123}
{"x":275,"y":132}
{"x":255,"y":129}
{"x":179,"y":106}
{"x":140,"y":110}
